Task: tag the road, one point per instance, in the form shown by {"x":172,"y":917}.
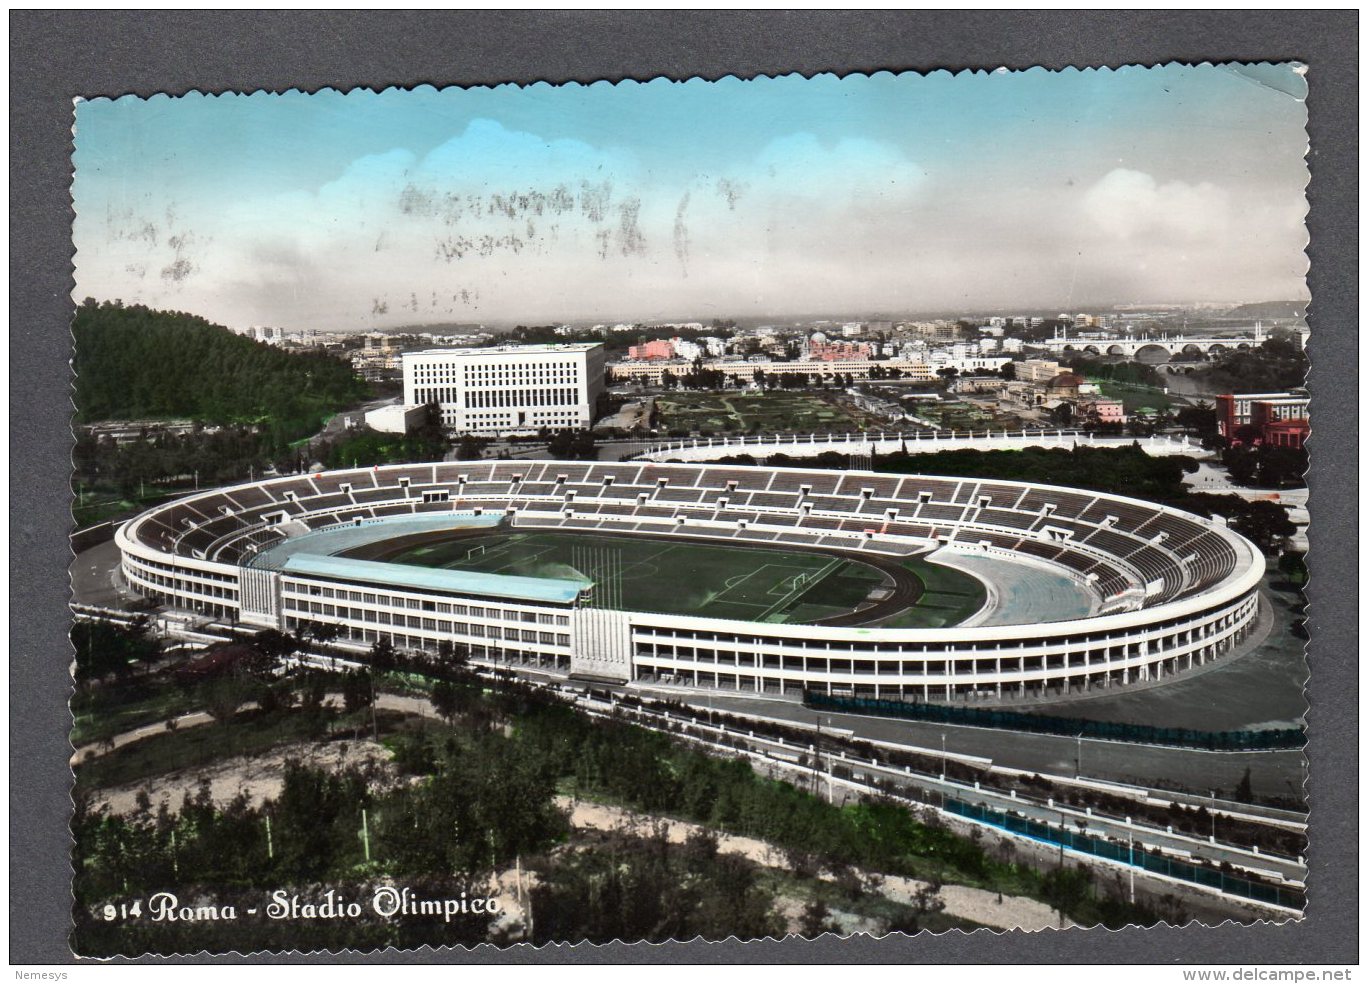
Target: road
{"x":1281,"y":772}
{"x":93,"y":577}
{"x":861,"y":775}
{"x":932,"y":791}
{"x":536,"y":451}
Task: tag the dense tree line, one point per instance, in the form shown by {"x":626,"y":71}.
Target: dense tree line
{"x":133,"y":363}
{"x":306,"y":840}
{"x":483,"y":799}
{"x":1265,"y":465}
{"x":211,"y":457}
{"x":1130,"y":373}
{"x":1276,"y":365}
{"x":105,"y":650}
{"x":571,"y":445}
{"x":251,"y":402}
{"x":646,"y":888}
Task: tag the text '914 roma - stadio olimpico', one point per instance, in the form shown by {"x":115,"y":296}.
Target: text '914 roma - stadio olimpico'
{"x":755,"y":579}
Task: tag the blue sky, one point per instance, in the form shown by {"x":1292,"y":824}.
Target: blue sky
{"x":893,"y":194}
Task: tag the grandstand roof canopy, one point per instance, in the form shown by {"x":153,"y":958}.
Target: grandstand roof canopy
{"x":553,"y":590}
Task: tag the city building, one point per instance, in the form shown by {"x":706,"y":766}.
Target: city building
{"x":376,"y":364}
{"x":1064,"y":386}
{"x":745,"y":369}
{"x":1280,"y":418}
{"x":262,"y":333}
{"x":508,"y":389}
{"x":1037,"y":370}
{"x":965,"y":362}
{"x":399,"y":418}
{"x":821,"y":350}
{"x":935,"y":331}
{"x":1103,"y":411}
{"x":656,"y":348}
{"x":977,"y":384}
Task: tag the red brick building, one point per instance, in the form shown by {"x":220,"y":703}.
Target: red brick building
{"x":1281,"y":419}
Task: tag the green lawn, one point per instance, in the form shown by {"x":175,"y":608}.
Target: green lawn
{"x":250,"y":733}
{"x":948,"y":597}
{"x":113,"y":709}
{"x":749,"y":583}
{"x":1134,"y":396}
{"x":740,"y":413}
{"x":752,"y":584}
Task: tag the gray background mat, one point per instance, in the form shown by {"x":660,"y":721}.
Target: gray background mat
{"x":57,"y":56}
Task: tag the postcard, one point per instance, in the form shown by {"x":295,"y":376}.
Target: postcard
{"x":653,"y":511}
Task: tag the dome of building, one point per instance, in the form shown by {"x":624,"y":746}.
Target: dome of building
{"x":1066,"y":380}
{"x":819,"y":336}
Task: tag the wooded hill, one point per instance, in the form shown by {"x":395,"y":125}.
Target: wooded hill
{"x":135,"y":363}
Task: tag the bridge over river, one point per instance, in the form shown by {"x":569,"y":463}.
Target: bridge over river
{"x":1170,"y":346}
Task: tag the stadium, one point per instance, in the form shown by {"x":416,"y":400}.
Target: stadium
{"x":759,"y":580}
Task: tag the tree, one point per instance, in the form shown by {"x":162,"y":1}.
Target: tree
{"x":1280,"y":466}
{"x":224,"y":696}
{"x":1200,"y":419}
{"x":382,"y":656}
{"x":322,"y":632}
{"x":451,"y":654}
{"x":275,"y":645}
{"x":1065,"y":888}
{"x":1241,"y":463}
{"x":1293,"y":564}
{"x":925,"y":901}
{"x":1265,"y":524}
{"x":572,"y":445}
{"x":815,"y":920}
{"x":1244,"y":789}
{"x":104,"y":649}
{"x":445,"y":700}
{"x":356,"y":691}
{"x":469,"y":448}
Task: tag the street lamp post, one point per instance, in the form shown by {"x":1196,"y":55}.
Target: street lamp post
{"x":942,"y":775}
{"x":1130,"y":844}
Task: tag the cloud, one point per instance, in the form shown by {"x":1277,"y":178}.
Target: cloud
{"x":499,"y":223}
{"x":801,"y":166}
{"x":1130,"y":204}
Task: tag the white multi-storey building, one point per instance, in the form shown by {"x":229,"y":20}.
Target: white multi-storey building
{"x":508,"y":389}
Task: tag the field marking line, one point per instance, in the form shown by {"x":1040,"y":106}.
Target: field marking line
{"x":806,"y":571}
{"x":802,"y":589}
{"x":508,"y":548}
{"x":736,"y":582}
{"x":645,"y":567}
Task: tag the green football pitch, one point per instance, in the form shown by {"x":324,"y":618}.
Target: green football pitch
{"x":748,"y":583}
